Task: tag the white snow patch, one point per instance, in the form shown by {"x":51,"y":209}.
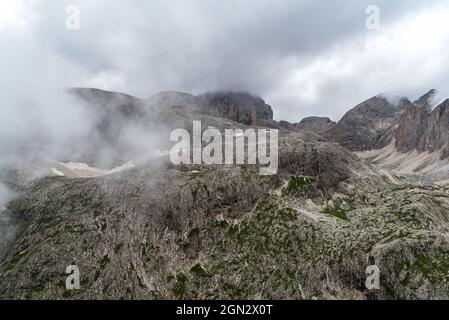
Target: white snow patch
{"x":83,"y":170}
{"x":57,"y":172}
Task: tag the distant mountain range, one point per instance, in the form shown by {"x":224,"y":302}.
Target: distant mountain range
{"x":394,"y":128}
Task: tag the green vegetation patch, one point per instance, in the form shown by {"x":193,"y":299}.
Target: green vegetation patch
{"x":193,"y":233}
{"x":118,"y":248}
{"x":336,"y":210}
{"x":196,"y":188}
{"x":297,"y":183}
{"x":433,"y":268}
{"x":199,"y":270}
{"x":181,"y":284}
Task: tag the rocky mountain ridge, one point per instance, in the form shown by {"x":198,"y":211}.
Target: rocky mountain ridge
{"x":362,"y":127}
{"x":419,"y":127}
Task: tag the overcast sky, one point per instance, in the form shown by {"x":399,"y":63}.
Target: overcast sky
{"x":304,"y":57}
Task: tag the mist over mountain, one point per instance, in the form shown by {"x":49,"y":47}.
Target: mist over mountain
{"x":94,"y":93}
{"x":302,"y":65}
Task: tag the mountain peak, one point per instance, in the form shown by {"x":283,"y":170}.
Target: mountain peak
{"x":426,"y":100}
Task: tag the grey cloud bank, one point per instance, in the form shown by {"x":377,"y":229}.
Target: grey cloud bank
{"x":304,"y":57}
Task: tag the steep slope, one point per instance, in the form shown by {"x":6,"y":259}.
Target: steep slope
{"x":362,"y":127}
{"x":436,"y":134}
{"x":411,"y":128}
{"x":426,"y":100}
{"x":413,"y":124}
{"x":420,"y":141}
{"x":406,"y":137}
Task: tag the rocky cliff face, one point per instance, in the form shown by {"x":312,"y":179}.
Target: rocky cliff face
{"x":239,"y":107}
{"x":413,"y":124}
{"x":423,"y":129}
{"x":411,"y":137}
{"x":436,"y":136}
{"x":376,"y":123}
{"x":363,"y":127}
{"x":411,"y":128}
{"x":426,"y":100}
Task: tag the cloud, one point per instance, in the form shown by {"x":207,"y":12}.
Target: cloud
{"x":7,"y":228}
{"x":14,"y":14}
{"x":405,"y":57}
{"x":304,"y":57}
